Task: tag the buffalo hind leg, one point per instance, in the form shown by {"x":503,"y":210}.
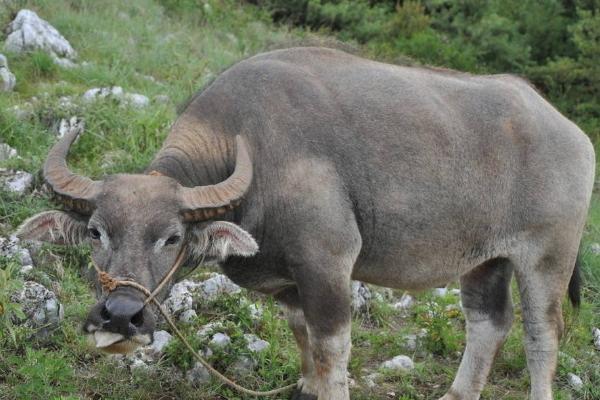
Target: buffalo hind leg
{"x":543,"y":285}
{"x":487,"y":305}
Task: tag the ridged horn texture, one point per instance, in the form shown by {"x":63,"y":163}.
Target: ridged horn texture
{"x":205,"y":202}
{"x":75,"y":191}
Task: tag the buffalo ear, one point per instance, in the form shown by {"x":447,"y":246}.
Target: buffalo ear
{"x":55,"y":227}
{"x":222,"y":239}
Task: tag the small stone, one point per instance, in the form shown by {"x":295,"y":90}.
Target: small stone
{"x":180,"y":298}
{"x":410,"y":342}
{"x":595,"y":248}
{"x":28,"y":32}
{"x":575,"y":381}
{"x":455,"y":292}
{"x":161,"y":340}
{"x":596,"y":335}
{"x":136,"y":100}
{"x":26,"y":269}
{"x":220,"y":340}
{"x":162,"y":99}
{"x":208,"y":329}
{"x":256,"y":344}
{"x":372,"y":379}
{"x":138,"y":363}
{"x":256,"y":311}
{"x":188,"y":316}
{"x":41,"y":307}
{"x":7,"y":78}
{"x":399,"y":363}
{"x":361,"y":295}
{"x":20,"y":182}
{"x":116,"y":92}
{"x":218,"y":285}
{"x":198,"y":375}
{"x":243,"y":366}
{"x":566,"y":360}
{"x":406,"y":302}
{"x":6,"y":152}
{"x":440,"y":292}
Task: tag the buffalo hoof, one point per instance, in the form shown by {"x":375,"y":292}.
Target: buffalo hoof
{"x":298,"y":395}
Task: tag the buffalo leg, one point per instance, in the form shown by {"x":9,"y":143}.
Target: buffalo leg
{"x":487,"y":305}
{"x":543,"y":285}
{"x":307,"y":387}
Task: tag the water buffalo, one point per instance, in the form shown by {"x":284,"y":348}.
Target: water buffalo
{"x":340,"y":168}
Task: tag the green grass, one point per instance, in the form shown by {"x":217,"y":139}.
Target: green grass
{"x":183,"y":45}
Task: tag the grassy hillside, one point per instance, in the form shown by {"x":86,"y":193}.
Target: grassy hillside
{"x":173,"y":48}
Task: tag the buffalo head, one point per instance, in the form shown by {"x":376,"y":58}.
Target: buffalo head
{"x":136,"y":226}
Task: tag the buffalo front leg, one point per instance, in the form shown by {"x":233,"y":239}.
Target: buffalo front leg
{"x":487,"y":305}
{"x":328,"y":321}
{"x":308,"y":385}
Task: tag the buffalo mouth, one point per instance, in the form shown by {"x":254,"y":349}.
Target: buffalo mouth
{"x":116,"y":343}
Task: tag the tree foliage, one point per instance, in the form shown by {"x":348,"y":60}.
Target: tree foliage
{"x":555,"y":43}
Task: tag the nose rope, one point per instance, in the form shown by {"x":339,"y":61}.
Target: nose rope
{"x":109,"y":284}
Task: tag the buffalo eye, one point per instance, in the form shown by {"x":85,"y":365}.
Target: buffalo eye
{"x":94,"y":233}
{"x":172,"y":240}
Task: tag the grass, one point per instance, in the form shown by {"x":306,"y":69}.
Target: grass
{"x":182,"y":45}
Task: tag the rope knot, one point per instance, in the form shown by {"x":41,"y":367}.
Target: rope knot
{"x":108,"y":283}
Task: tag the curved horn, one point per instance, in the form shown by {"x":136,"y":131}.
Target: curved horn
{"x":205,"y":202}
{"x":77,"y":192}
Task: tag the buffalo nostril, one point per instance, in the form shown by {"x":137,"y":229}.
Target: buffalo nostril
{"x":105,"y":314}
{"x":138,"y":319}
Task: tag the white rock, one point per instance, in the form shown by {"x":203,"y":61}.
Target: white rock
{"x":11,"y":247}
{"x":575,"y":381}
{"x":6,"y":151}
{"x":180,"y":298}
{"x":26,"y":269}
{"x":220,"y":340}
{"x":20,"y":182}
{"x":256,"y":344}
{"x":138,"y":363}
{"x":198,"y":375}
{"x":371,"y":379}
{"x":399,"y":363}
{"x":217,"y":286}
{"x":162,"y":99}
{"x":7,"y":78}
{"x":455,"y":292}
{"x":243,"y":366}
{"x":256,"y":311}
{"x":406,"y":302}
{"x":361,"y":295}
{"x":23,"y":111}
{"x":29,"y":32}
{"x":595,"y":248}
{"x":188,"y":316}
{"x":566,"y":360}
{"x":596,"y":335}
{"x":41,"y":307}
{"x":209,"y":328}
{"x":411,"y":341}
{"x":440,"y":292}
{"x":116,"y":92}
{"x":161,"y":340}
{"x":136,"y":100}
